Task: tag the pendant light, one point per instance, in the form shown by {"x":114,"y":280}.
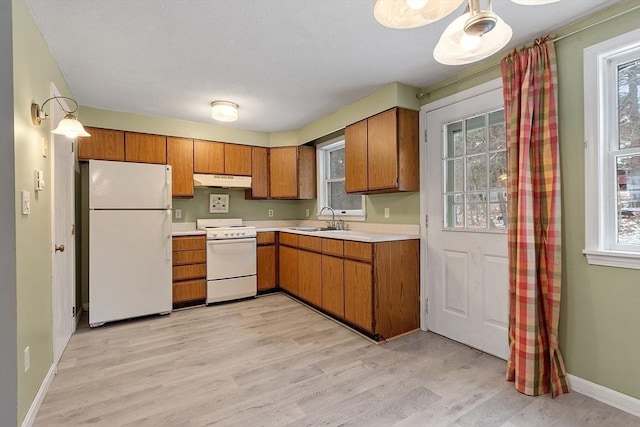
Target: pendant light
{"x":475,"y":35}
{"x":403,"y":14}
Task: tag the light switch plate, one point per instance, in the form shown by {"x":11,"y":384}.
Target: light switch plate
{"x":38,"y":180}
{"x":25,"y":199}
{"x":218,"y":203}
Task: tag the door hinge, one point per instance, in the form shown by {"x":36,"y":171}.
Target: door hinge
{"x":426,"y":221}
{"x":72,"y":144}
{"x":426,"y":306}
{"x":425,"y":135}
{"x":73,"y":311}
{"x":73,"y":229}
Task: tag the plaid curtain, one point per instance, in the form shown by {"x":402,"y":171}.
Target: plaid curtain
{"x":533,"y":169}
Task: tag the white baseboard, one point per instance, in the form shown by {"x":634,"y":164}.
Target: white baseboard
{"x":606,"y":395}
{"x":30,"y":418}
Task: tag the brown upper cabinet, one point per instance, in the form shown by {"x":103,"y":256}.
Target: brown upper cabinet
{"x":145,"y":148}
{"x":292,"y":172}
{"x":103,"y":144}
{"x":382,"y":154}
{"x":221,"y":158}
{"x":259,"y":174}
{"x":237,"y":159}
{"x":180,"y":157}
{"x":208,"y":157}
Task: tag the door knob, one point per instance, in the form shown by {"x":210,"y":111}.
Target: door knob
{"x":59,"y":248}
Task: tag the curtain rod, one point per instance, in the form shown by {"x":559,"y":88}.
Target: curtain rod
{"x":422,"y":94}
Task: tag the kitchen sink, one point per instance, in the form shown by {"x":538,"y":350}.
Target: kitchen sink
{"x":305,"y":228}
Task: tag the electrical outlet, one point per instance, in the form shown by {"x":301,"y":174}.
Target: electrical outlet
{"x":307,"y":212}
{"x":270,"y":213}
{"x":386,"y":212}
{"x":27,"y":361}
{"x":178,"y":213}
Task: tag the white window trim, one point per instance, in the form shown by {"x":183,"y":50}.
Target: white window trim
{"x":598,"y":249}
{"x":359,"y":215}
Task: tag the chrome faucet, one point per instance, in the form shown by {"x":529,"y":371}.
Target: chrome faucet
{"x":331,"y":225}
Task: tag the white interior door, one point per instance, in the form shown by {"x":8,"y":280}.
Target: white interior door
{"x":63,"y":245}
{"x":467,"y":275}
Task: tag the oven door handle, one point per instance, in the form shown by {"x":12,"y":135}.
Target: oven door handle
{"x":230,"y":241}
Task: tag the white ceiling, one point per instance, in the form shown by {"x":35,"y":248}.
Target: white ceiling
{"x":286,"y":62}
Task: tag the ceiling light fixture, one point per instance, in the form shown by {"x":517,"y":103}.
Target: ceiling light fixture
{"x":224,"y":111}
{"x":403,"y":14}
{"x":475,"y":35}
{"x":69,"y":126}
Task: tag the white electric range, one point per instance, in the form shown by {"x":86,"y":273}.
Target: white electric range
{"x":231,"y":259}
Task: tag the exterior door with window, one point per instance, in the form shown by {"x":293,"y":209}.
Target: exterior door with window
{"x":467,"y":265}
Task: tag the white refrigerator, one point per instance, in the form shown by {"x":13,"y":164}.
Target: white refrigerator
{"x":129,"y":240}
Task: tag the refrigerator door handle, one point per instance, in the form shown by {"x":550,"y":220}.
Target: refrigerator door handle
{"x":169,"y":248}
{"x":167,"y":175}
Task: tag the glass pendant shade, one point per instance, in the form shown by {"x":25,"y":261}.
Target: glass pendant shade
{"x":70,"y":127}
{"x":534,"y":2}
{"x":224,"y":111}
{"x":399,"y":14}
{"x":455,"y":47}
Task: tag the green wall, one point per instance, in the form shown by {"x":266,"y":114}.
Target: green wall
{"x":600,"y":310}
{"x":249,"y":210}
{"x":34,"y":68}
{"x":8,"y":325}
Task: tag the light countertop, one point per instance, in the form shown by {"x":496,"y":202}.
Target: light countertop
{"x":185,"y":229}
{"x":359,"y":236}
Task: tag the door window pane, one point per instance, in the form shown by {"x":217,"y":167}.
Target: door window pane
{"x":454,"y":175}
{"x":476,"y":173}
{"x":497,"y":138}
{"x":476,"y":135}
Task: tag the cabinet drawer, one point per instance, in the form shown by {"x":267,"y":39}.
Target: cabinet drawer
{"x":333,"y":247}
{"x":191,"y":271}
{"x":189,"y":257}
{"x":266,"y":238}
{"x":189,"y":290}
{"x":289,"y":239}
{"x":358,"y":250}
{"x":311,"y":243}
{"x":189,"y":243}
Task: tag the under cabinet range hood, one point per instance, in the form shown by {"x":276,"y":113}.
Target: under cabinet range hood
{"x":224,"y":181}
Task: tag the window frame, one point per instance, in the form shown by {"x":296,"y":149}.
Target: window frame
{"x":601,"y":125}
{"x":322,"y":157}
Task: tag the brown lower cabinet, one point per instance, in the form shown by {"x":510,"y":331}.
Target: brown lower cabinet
{"x":266,"y":259}
{"x":189,"y":270}
{"x":371,"y":286}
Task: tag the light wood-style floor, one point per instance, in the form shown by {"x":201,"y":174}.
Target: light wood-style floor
{"x":274,"y":362}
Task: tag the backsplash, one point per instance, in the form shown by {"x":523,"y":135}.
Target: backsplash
{"x":404,"y":208}
{"x":250,"y":210}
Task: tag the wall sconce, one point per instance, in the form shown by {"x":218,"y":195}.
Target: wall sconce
{"x":224,"y":111}
{"x":68,"y":126}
